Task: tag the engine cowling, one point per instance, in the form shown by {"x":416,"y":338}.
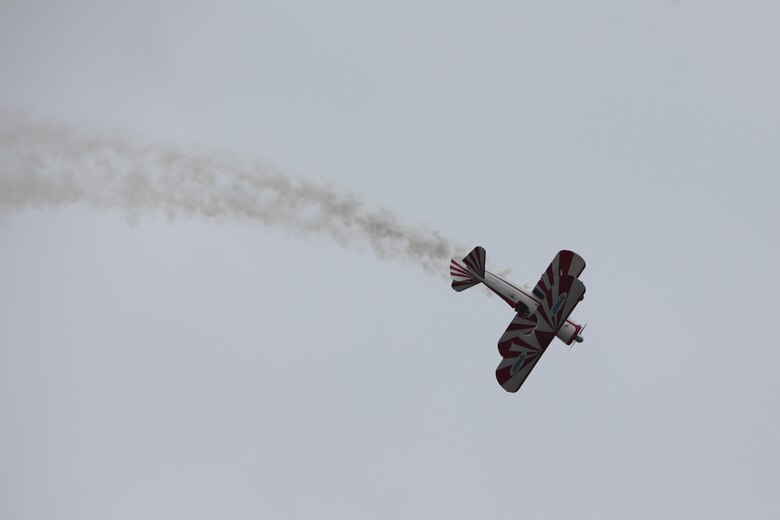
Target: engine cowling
{"x":569,"y":333}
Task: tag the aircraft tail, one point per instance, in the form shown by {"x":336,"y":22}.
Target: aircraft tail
{"x":468,"y":272}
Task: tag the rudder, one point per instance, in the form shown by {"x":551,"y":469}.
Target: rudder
{"x":475,"y":261}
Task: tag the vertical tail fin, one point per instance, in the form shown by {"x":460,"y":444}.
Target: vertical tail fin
{"x":475,"y":261}
{"x":469,"y":271}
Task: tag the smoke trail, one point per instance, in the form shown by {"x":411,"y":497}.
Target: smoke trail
{"x":44,"y":165}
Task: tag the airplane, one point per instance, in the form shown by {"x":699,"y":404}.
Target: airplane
{"x":542,"y":314}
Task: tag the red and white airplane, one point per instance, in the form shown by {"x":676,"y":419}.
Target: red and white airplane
{"x":542,"y":314}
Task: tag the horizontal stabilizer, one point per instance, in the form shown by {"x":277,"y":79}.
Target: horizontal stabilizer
{"x":461,"y":277}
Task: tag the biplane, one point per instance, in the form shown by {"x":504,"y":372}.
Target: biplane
{"x":541,"y":314}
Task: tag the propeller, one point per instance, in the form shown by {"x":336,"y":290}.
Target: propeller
{"x":579,"y":338}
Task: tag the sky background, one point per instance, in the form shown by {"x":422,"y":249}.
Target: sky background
{"x":201,"y":369}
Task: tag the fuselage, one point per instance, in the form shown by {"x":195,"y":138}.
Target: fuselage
{"x":526,"y":302}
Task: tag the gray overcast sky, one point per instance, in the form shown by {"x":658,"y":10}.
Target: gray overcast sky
{"x":201,"y":369}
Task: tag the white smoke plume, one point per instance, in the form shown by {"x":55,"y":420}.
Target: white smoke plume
{"x":45,"y":165}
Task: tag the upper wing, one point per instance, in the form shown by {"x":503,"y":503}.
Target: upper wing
{"x":565,"y":262}
{"x":526,"y":338}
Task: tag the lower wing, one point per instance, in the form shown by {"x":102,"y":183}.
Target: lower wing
{"x":527,"y":337}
